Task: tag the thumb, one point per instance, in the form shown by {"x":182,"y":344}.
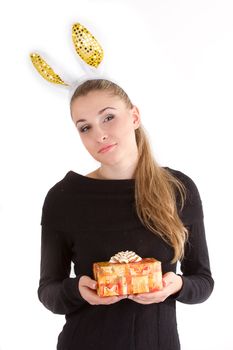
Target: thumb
{"x":166,"y":279}
{"x":86,"y":281}
{"x":93,"y":284}
{"x":164,"y":282}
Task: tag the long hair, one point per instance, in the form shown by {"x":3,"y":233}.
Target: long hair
{"x":156,"y":188}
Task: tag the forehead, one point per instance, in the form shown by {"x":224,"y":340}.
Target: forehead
{"x":94,"y":101}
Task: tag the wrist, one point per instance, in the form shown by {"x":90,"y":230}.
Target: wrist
{"x":178,"y":284}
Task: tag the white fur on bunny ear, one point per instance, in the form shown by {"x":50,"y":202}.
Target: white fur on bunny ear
{"x":90,"y":52}
{"x":91,"y":75}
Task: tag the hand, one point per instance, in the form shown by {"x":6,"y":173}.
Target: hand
{"x":87,"y":288}
{"x":172,"y":283}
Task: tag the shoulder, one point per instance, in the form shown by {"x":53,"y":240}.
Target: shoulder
{"x":68,"y":184}
{"x":192,"y":209}
{"x":54,"y":202}
{"x":187,"y":181}
{"x":58,"y":188}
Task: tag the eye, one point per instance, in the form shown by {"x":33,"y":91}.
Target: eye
{"x":109,"y":117}
{"x":84,"y":128}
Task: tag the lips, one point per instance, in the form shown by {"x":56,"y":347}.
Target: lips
{"x":106,"y":148}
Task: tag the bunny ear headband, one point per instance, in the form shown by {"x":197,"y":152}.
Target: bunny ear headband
{"x":90,"y":51}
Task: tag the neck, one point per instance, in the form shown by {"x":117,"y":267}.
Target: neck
{"x":109,"y":172}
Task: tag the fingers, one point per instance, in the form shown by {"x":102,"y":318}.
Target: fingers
{"x":171,"y":284}
{"x":96,"y":300}
{"x":110,"y":300}
{"x":86,"y":281}
{"x":87,"y":288}
{"x":150,"y":298}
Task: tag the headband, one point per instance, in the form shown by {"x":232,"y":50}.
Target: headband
{"x":90,"y":52}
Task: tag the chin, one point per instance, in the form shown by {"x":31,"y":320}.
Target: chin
{"x":109,"y":161}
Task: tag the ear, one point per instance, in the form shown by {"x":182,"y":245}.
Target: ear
{"x":136,"y":117}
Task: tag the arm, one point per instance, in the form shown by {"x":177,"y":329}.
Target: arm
{"x":195,"y":267}
{"x":57,"y":291}
{"x":196,"y":283}
{"x":197,"y":280}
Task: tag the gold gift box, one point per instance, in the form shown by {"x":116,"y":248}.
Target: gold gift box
{"x":128,"y":278}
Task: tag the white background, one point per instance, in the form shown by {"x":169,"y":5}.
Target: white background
{"x":175,"y":59}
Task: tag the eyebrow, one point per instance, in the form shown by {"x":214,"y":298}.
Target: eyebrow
{"x":101,"y":111}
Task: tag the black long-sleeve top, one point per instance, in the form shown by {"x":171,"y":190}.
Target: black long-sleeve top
{"x":86,"y":220}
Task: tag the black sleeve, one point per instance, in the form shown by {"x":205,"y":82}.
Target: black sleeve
{"x":195,"y":267}
{"x":197,"y":280}
{"x":57,"y":290}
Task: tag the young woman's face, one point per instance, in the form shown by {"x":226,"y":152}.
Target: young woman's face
{"x":106,"y":126}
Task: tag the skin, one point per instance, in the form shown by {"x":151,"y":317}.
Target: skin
{"x":113,"y":126}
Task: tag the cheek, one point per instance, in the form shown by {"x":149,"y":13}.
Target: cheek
{"x":86,"y":142}
{"x":127,"y":130}
{"x":121,"y":128}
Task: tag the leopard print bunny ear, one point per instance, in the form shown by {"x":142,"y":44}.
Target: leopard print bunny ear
{"x":88,"y":49}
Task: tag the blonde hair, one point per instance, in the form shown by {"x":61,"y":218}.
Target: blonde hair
{"x":155,"y":187}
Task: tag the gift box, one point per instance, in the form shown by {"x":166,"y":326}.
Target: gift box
{"x":128,"y":278}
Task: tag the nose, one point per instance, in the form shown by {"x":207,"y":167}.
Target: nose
{"x":101,"y":136}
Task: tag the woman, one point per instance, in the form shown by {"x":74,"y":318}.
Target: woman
{"x":128,"y":203}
